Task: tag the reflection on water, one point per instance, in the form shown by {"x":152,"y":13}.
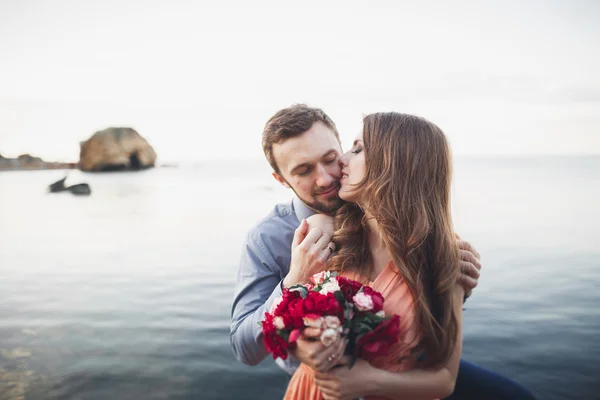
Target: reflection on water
{"x":126,"y":294}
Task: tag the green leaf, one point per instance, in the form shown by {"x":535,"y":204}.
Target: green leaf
{"x":284,"y":334}
{"x":339,"y":296}
{"x":299,"y":288}
{"x":347,"y":314}
{"x":361,"y":328}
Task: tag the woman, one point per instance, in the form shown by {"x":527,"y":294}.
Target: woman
{"x":396,"y":234}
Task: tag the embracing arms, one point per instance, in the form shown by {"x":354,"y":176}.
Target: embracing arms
{"x":263,"y":270}
{"x":257,"y":287}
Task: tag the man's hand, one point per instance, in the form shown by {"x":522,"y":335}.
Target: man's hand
{"x":344,"y":383}
{"x":470,"y":266}
{"x":310,"y":251}
{"x":314,"y":354}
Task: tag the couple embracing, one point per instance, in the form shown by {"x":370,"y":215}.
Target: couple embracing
{"x":379,"y":213}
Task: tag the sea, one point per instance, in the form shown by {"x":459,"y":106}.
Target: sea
{"x":126,"y":293}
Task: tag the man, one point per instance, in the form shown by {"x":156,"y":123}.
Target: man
{"x":302,"y":146}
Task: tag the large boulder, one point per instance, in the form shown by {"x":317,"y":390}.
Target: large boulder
{"x":115,"y":149}
{"x":29,"y":159}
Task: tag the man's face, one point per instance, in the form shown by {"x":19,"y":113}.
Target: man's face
{"x":308,"y":164}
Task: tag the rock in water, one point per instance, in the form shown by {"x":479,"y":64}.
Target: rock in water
{"x":116,"y":149}
{"x":78,"y":189}
{"x":57,"y":186}
{"x":82,"y":189}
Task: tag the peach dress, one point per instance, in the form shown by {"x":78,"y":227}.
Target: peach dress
{"x":397,"y":300}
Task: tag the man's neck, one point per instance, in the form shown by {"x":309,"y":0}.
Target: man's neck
{"x":301,"y":209}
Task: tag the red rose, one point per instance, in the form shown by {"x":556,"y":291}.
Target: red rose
{"x":377,"y":342}
{"x":287,"y":297}
{"x":274,"y":343}
{"x":348,"y":287}
{"x":294,"y":316}
{"x":322,"y":304}
{"x":377,"y":298}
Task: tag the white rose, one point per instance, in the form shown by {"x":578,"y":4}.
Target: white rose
{"x":363,"y":301}
{"x":278,"y":322}
{"x":380,"y":313}
{"x":329,"y":336}
{"x":330,"y":287}
{"x":333,"y":322}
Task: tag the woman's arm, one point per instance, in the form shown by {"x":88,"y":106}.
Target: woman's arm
{"x":421,"y":383}
{"x":365,"y":380}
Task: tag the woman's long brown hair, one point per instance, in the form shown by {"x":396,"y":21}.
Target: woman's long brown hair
{"x":406,"y":189}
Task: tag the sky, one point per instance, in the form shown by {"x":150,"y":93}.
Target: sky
{"x":200,"y":79}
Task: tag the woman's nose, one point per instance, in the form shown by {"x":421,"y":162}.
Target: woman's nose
{"x":343,"y":161}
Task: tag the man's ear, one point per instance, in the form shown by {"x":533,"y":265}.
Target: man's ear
{"x":280,"y":179}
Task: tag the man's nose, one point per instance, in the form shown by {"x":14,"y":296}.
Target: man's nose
{"x":324,"y":179}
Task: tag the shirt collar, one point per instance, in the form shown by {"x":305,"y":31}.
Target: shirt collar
{"x":300,"y":209}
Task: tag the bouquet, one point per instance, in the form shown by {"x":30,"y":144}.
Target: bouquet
{"x":339,"y":307}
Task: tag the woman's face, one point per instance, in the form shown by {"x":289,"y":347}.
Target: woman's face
{"x":353,"y":170}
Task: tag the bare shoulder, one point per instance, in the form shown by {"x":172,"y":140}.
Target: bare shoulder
{"x":321,"y":221}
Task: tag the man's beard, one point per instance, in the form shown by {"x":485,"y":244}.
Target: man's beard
{"x":329,"y":207}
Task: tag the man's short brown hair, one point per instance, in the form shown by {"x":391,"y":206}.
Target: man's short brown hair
{"x":291,"y":122}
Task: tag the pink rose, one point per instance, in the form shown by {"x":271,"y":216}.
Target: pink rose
{"x":363,"y":301}
{"x":318,"y":278}
{"x":294,"y":335}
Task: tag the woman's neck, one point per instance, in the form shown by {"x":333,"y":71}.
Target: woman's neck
{"x":381,"y":257}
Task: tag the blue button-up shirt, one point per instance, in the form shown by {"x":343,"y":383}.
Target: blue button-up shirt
{"x":265,"y":263}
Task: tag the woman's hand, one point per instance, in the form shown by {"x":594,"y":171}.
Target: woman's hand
{"x":314,"y":354}
{"x":344,"y":383}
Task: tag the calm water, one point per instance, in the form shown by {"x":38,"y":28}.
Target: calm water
{"x":126,"y":294}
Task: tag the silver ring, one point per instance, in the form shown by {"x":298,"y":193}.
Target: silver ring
{"x":330,"y":358}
